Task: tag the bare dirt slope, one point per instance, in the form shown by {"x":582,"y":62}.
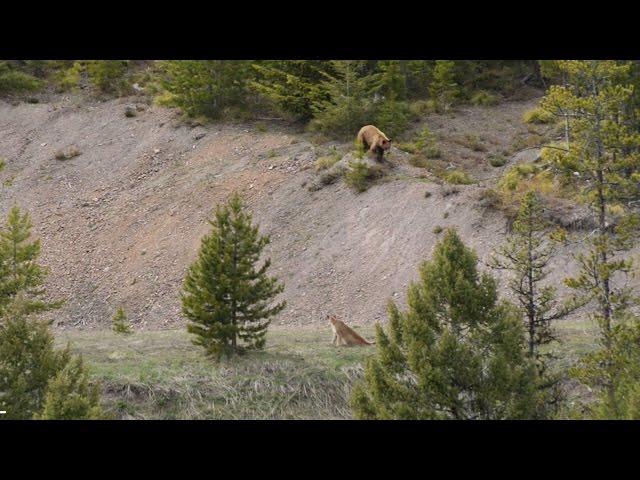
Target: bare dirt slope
{"x":120,"y":223}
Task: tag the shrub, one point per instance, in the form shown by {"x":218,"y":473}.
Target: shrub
{"x":438,"y":230}
{"x":328,"y":161}
{"x":130,"y":112}
{"x":13,"y":80}
{"x":423,"y":107}
{"x":120,"y":323}
{"x":473,"y":142}
{"x":448,"y":190}
{"x":497,"y":160}
{"x":68,"y":77}
{"x":331,"y":176}
{"x":484,"y":98}
{"x":107,"y":75}
{"x":489,"y":198}
{"x":424,"y":143}
{"x":458,"y":177}
{"x":28,"y":361}
{"x":360,"y":175}
{"x":70,"y":396}
{"x":538,"y":115}
{"x":433,"y":151}
{"x":522,"y":142}
{"x":522,"y":178}
{"x":342,"y":120}
{"x":419,"y":161}
{"x":392,"y":117}
{"x":67,"y":153}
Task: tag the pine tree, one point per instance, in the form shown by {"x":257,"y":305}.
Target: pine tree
{"x":527,"y":254}
{"x":391,"y":80}
{"x":120,"y":323}
{"x":443,"y":87}
{"x":602,"y":162}
{"x":457,"y":353}
{"x":19,"y":270}
{"x":69,"y":396}
{"x":419,"y":74}
{"x":293,"y":85}
{"x":28,"y":360}
{"x":205,"y":87}
{"x":623,"y":375}
{"x":348,"y":94}
{"x":226,"y":297}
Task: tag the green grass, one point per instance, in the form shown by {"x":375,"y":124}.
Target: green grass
{"x":162,"y":375}
{"x":299,"y":375}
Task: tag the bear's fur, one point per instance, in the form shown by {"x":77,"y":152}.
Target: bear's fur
{"x":372,"y":139}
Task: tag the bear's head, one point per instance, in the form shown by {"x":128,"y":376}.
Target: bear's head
{"x":384,"y":143}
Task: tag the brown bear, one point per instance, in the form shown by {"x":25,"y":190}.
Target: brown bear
{"x":374,"y":140}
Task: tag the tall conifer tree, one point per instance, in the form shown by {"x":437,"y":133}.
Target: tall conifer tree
{"x":227,"y":296}
{"x":456,"y":353}
{"x":603,"y":162}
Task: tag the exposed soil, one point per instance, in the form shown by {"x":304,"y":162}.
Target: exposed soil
{"x":121,"y":221}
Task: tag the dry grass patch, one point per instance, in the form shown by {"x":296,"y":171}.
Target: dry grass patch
{"x":67,"y":153}
{"x":162,"y":375}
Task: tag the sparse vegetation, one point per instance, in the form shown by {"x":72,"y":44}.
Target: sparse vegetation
{"x":361,"y":175}
{"x":538,"y":115}
{"x":120,"y":322}
{"x":458,"y":177}
{"x":107,"y":75}
{"x":328,"y":161}
{"x":14,"y":80}
{"x":484,"y":98}
{"x":331,"y":176}
{"x":67,"y":153}
{"x":497,"y":160}
{"x":70,"y":396}
{"x":473,"y":142}
{"x":521,"y":142}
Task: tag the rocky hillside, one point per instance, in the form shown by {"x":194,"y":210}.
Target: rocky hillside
{"x":122,"y":217}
